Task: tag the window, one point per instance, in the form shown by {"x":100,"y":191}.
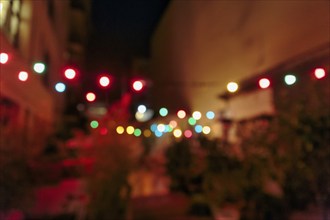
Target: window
{"x":50,"y":9}
{"x":10,"y":19}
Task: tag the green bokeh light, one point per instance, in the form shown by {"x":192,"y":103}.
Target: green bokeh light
{"x":94,"y":124}
{"x":137,"y":132}
{"x":192,"y":121}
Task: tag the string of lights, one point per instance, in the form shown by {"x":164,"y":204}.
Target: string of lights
{"x":71,"y":73}
{"x":143,"y":114}
{"x":183,"y":125}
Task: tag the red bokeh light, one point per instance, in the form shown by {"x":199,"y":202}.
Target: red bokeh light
{"x":23,"y":76}
{"x":264,"y":83}
{"x":319,"y":73}
{"x":70,"y":73}
{"x":103,"y":131}
{"x":104,"y":81}
{"x":138,"y":85}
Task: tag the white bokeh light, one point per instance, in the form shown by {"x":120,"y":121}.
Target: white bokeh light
{"x":232,"y":87}
{"x":60,"y":87}
{"x":142,"y":108}
{"x":290,"y":79}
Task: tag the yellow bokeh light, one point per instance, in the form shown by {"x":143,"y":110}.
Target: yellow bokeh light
{"x":90,"y":97}
{"x":147,"y":133}
{"x":130,"y":129}
{"x":206,"y":130}
{"x":139,"y":116}
{"x":120,"y":129}
{"x":4,"y":6}
{"x":177,"y":133}
{"x":181,"y":114}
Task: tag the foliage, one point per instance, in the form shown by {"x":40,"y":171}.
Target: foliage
{"x":179,"y":166}
{"x":304,"y":133}
{"x":186,"y":166}
{"x":15,"y":180}
{"x":309,"y":162}
{"x":224,"y":177}
{"x":114,"y":158}
{"x":280,"y":164}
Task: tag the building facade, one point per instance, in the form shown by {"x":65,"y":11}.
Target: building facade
{"x":199,"y":47}
{"x":297,"y":86}
{"x":281,"y":125}
{"x":37,"y":31}
{"x":51,"y":33}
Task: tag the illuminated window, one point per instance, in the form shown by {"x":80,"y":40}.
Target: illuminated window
{"x":10,"y":19}
{"x":4,"y":10}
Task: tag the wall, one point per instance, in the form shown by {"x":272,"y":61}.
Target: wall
{"x":199,"y":46}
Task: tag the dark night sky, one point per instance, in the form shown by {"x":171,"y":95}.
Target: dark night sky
{"x":121,"y":30}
